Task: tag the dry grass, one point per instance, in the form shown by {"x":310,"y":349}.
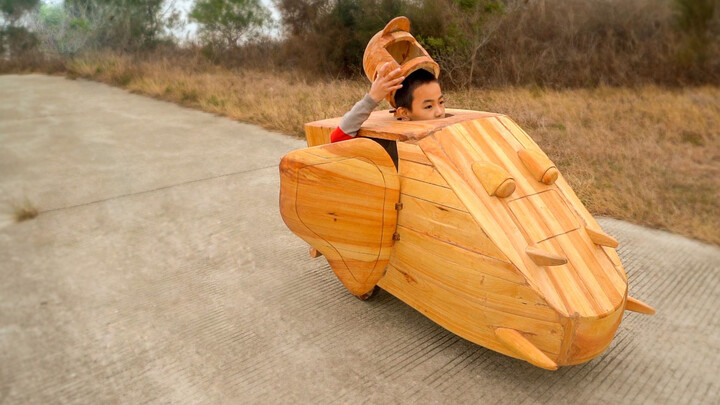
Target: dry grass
{"x":647,"y":155}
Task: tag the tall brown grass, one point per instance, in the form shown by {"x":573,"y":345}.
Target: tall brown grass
{"x":648,"y":155}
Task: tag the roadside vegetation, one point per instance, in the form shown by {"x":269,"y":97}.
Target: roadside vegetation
{"x":623,"y":95}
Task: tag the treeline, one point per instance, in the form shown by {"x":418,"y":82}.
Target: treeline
{"x":553,"y":43}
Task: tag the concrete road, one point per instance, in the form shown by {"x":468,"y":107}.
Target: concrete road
{"x":159,"y":271}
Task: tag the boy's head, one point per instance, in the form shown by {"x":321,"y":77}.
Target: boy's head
{"x":420,"y":97}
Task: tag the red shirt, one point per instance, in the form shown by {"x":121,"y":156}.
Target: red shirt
{"x":338,"y":135}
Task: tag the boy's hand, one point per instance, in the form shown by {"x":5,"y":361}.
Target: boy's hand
{"x":385,"y":83}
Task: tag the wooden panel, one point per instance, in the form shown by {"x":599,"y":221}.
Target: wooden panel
{"x":543,"y":215}
{"x":340,"y":198}
{"x":486,"y":282}
{"x":443,"y":255}
{"x":467,"y":317}
{"x":413,"y":153}
{"x":456,"y":315}
{"x":383,"y":124}
{"x":316,"y":136}
{"x":446,"y":224}
{"x":421,"y":172}
{"x":589,"y":279}
{"x":430,"y":192}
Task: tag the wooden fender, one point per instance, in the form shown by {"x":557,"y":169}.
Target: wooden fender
{"x":340,"y":198}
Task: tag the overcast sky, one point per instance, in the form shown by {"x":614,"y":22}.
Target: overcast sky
{"x":184,"y":7}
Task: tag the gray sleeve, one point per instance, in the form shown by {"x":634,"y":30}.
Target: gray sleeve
{"x":353,"y":120}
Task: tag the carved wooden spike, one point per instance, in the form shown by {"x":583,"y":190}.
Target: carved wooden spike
{"x":636,"y":305}
{"x":542,"y":168}
{"x":314,"y":253}
{"x":527,"y":351}
{"x":544,"y":258}
{"x":494,"y":179}
{"x":601,"y":238}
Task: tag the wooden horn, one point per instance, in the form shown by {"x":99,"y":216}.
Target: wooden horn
{"x":541,"y":168}
{"x":494,"y":179}
{"x":544,"y":258}
{"x":635,"y":305}
{"x":601,"y":238}
{"x":527,"y":351}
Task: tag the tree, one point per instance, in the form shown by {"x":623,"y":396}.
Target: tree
{"x":228,"y":22}
{"x":16,"y":40}
{"x":458,"y":31}
{"x":13,"y":10}
{"x":122,"y":24}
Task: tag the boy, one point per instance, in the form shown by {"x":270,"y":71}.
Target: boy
{"x":418,"y":97}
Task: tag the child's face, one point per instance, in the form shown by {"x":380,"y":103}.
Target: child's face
{"x":428,"y":103}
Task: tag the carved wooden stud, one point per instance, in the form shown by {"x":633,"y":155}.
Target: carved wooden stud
{"x":494,"y":179}
{"x":542,"y":168}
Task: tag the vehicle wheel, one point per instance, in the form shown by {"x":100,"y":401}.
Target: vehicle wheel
{"x":368,"y":295}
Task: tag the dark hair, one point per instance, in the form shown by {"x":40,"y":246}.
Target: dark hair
{"x":404,"y":95}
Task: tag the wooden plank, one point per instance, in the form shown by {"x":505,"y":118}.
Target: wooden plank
{"x":486,"y":283}
{"x":590,"y":258}
{"x":430,"y":192}
{"x":441,"y":254}
{"x":317,"y":135}
{"x":458,"y":316}
{"x":383,"y":124}
{"x":446,"y":224}
{"x":544,"y":215}
{"x":578,"y":290}
{"x":413,"y":153}
{"x":467,"y":317}
{"x":421,"y":172}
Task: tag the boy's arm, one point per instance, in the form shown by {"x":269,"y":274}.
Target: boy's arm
{"x":381,"y":87}
{"x":353,"y":120}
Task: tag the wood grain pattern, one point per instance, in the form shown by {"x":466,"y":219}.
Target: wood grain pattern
{"x":340,"y":198}
{"x":530,"y":275}
{"x":316,"y":136}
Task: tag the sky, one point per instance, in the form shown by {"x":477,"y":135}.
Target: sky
{"x":189,"y":29}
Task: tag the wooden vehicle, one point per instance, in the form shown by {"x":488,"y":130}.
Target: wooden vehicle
{"x":468,"y":221}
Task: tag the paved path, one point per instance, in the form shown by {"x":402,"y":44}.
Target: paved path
{"x":159,"y":270}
